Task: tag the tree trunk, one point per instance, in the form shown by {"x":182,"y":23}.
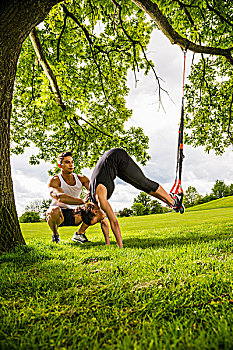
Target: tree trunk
{"x":17,"y":18}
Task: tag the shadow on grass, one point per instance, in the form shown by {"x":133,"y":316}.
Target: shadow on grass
{"x":155,"y":242}
{"x":25,"y":255}
{"x":85,"y":245}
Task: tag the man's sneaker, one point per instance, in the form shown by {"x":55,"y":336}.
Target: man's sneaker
{"x":56,"y":238}
{"x":80,"y":237}
{"x":178,"y":207}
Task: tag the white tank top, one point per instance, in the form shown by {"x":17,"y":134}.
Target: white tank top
{"x":73,"y":191}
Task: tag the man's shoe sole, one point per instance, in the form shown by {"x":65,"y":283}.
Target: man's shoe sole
{"x":76,"y":240}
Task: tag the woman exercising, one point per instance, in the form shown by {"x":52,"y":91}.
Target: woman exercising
{"x":113,"y":163}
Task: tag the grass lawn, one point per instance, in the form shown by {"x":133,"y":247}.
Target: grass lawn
{"x":170,"y":287}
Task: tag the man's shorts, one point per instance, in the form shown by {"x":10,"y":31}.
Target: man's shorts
{"x":69,"y":219}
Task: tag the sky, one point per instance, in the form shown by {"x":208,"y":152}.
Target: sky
{"x":200,"y":170}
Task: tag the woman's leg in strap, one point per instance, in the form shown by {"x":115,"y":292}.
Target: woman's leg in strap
{"x":135,"y":176}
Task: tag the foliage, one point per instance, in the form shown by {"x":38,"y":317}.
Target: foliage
{"x":141,"y":204}
{"x":30,"y":216}
{"x":191,"y":197}
{"x":209,"y":104}
{"x":156,"y":207}
{"x":91,"y":54}
{"x":172,"y":282}
{"x":139,"y":209}
{"x":143,"y":198}
{"x":209,"y":92}
{"x":144,"y":205}
{"x":207,"y":198}
{"x":220,"y":189}
{"x":230,"y":189}
{"x":126,"y":212}
{"x":91,"y":70}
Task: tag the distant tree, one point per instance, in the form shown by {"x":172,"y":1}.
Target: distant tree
{"x":30,"y":216}
{"x":191,"y":197}
{"x":33,"y":206}
{"x":220,"y":189}
{"x":125,"y":212}
{"x":166,"y":210}
{"x":45,"y":204}
{"x":39,"y":206}
{"x":144,"y":199}
{"x":207,"y":198}
{"x":143,"y":205}
{"x":139,"y":209}
{"x":230,"y":187}
{"x":227,"y":191}
{"x":155,"y":207}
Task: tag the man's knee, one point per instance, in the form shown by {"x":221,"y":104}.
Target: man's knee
{"x":53,"y":213}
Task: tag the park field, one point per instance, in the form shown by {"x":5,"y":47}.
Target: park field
{"x":170,"y":287}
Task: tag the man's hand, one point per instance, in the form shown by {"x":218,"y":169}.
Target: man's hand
{"x":87,"y":198}
{"x":58,"y":194}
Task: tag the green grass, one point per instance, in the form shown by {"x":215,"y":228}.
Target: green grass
{"x":226,"y":202}
{"x":170,"y":287}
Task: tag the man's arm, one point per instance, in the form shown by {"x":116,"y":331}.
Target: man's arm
{"x":85,"y":181}
{"x":105,"y":230}
{"x":101,"y":193}
{"x":58,"y":194}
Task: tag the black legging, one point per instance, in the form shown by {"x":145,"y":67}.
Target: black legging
{"x":133,"y":175}
{"x":117,"y":163}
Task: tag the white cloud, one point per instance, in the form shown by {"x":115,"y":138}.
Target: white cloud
{"x":30,"y":182}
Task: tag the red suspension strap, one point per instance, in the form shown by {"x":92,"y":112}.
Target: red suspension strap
{"x":177,"y":188}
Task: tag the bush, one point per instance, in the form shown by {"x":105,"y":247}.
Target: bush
{"x":155,"y":207}
{"x":125,"y":212}
{"x":30,"y":216}
{"x":139,"y":209}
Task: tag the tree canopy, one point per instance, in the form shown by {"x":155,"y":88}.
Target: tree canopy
{"x":89,"y":47}
{"x":87,"y":50}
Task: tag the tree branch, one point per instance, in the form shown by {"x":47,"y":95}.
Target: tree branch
{"x":134,"y":43}
{"x":230,"y":117}
{"x":90,"y":41}
{"x":223,"y":19}
{"x":59,"y":39}
{"x":52,"y":79}
{"x":154,"y":12}
{"x":193,"y":7}
{"x":46,"y":67}
{"x":94,"y":127}
{"x":183,"y":6}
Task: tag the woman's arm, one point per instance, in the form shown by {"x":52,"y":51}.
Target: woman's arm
{"x":105,"y":230}
{"x":101,"y":194}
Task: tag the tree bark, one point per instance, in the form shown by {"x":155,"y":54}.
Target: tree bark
{"x":17,"y":19}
